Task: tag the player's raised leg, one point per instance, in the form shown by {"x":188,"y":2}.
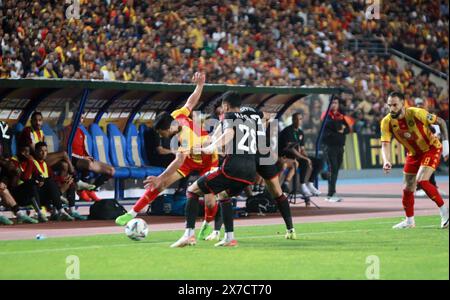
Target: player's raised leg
{"x":149,"y":196}
{"x":423,"y":178}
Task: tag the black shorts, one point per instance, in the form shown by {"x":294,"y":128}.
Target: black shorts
{"x":216,"y":182}
{"x":269,"y":171}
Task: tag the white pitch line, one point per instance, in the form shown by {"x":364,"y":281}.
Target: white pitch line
{"x":167,"y":242}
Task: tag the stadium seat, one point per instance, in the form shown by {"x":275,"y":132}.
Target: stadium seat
{"x":51,"y":138}
{"x":17,"y":130}
{"x":100,"y":150}
{"x":142,"y":131}
{"x":134,"y":150}
{"x":118,"y":152}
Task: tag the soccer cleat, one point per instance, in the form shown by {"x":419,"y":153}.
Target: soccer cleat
{"x":226,"y":243}
{"x":404,"y":225}
{"x":124,"y":219}
{"x":333,"y":199}
{"x":184,"y":241}
{"x":444,"y":217}
{"x":93,"y":196}
{"x":84,"y":195}
{"x":420,"y":193}
{"x":26,"y":219}
{"x":444,"y":223}
{"x":313,"y":189}
{"x":214,"y":236}
{"x":81,"y":185}
{"x":77,"y":216}
{"x":63,"y":216}
{"x":5,"y":221}
{"x":291,"y":234}
{"x":205,"y":231}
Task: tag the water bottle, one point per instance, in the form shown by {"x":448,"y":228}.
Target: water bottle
{"x":40,"y":237}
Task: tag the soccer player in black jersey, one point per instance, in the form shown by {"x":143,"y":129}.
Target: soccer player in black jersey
{"x":269,"y":167}
{"x":239,"y":140}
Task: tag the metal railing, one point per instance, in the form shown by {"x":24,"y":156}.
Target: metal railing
{"x":418,"y":63}
{"x":370,"y":45}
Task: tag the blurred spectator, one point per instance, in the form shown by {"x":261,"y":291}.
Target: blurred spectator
{"x":334,"y":139}
{"x":254,"y":43}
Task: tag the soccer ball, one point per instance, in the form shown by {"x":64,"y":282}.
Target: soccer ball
{"x":136,"y":229}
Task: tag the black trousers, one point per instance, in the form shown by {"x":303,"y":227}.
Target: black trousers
{"x":316,"y":167}
{"x":335,"y":157}
{"x":50,"y":195}
{"x":70,"y":195}
{"x":27,"y":194}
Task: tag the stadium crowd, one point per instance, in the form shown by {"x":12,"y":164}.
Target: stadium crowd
{"x":269,"y":43}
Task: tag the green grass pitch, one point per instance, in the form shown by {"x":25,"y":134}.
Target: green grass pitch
{"x":338,"y":250}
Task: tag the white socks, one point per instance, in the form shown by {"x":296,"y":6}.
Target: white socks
{"x":410,"y":220}
{"x":443,"y":211}
{"x":229,"y":236}
{"x":189,"y":232}
{"x":133,"y":213}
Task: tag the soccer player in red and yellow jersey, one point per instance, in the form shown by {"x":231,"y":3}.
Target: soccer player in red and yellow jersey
{"x":410,"y":126}
{"x":189,"y":137}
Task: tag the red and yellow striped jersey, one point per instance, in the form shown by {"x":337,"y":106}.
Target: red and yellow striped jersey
{"x":190,"y":136}
{"x":412,"y":131}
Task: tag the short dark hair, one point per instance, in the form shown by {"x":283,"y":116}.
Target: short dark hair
{"x":39,"y":145}
{"x":36,"y":113}
{"x":397,"y":94}
{"x":163,"y":121}
{"x":297,"y":114}
{"x":232,"y":98}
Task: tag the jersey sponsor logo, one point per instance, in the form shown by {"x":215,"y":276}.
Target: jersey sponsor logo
{"x":430,"y":117}
{"x":407,"y":135}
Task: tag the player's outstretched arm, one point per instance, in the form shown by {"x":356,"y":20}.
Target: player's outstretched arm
{"x":386,"y":154}
{"x":444,"y":134}
{"x":174,"y":165}
{"x":199,"y":79}
{"x":223,"y":140}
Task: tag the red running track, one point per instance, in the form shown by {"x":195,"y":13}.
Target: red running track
{"x":352,"y":208}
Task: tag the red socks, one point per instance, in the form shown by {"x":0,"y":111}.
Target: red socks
{"x":408,"y":203}
{"x":146,"y":199}
{"x":210,"y":213}
{"x":432,"y":192}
